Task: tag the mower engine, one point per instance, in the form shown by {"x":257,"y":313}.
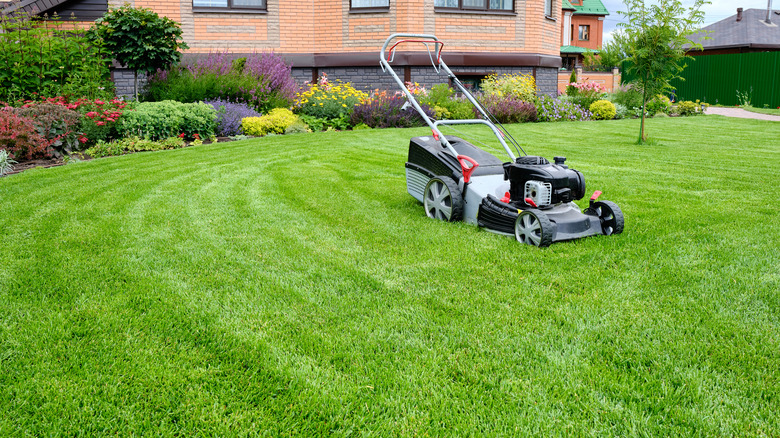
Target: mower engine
{"x":544,"y":184}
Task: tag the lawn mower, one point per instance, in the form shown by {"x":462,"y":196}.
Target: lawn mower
{"x":527,"y":197}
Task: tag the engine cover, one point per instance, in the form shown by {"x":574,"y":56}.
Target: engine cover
{"x":565,"y":184}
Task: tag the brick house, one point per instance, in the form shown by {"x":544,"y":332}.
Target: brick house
{"x":582,"y":29}
{"x":342,"y":37}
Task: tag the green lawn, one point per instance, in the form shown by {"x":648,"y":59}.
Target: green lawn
{"x":289,"y":286}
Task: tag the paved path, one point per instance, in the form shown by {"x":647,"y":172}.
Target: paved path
{"x":740,"y":113}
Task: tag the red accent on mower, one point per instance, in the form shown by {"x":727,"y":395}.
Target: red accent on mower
{"x":463,"y":159}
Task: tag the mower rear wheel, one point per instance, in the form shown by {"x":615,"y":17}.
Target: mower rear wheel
{"x":533,"y":227}
{"x":443,"y":200}
{"x":611,"y":217}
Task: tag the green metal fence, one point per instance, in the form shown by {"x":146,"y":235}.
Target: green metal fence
{"x":717,"y":79}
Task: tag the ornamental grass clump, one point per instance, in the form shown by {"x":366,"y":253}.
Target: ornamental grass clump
{"x":556,"y":110}
{"x":386,"y":111}
{"x":229,"y":116}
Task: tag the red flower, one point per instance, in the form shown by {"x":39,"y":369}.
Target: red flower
{"x":109,"y":119}
{"x":101,"y":123}
{"x":197,"y":136}
{"x":91,"y":114}
{"x":181,"y":135}
{"x":99,"y":102}
{"x":83,"y":139}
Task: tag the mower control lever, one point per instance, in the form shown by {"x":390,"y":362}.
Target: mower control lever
{"x":467,"y":169}
{"x":595,"y":197}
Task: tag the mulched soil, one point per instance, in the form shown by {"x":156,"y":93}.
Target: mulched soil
{"x":21,"y":166}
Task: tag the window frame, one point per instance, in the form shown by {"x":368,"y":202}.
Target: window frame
{"x":586,"y":27}
{"x":551,"y":4}
{"x":367,"y":9}
{"x":230,"y":8}
{"x":472,"y":10}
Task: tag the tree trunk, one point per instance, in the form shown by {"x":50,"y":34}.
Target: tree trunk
{"x":642,"y":137}
{"x":135,"y":84}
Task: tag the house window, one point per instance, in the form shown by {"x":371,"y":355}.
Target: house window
{"x":475,"y":5}
{"x":548,"y":8}
{"x":230,"y":4}
{"x":584,"y":32}
{"x":370,"y":4}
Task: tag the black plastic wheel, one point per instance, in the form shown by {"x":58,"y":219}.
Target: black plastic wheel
{"x":611,"y":217}
{"x":533,"y":227}
{"x":443,"y":200}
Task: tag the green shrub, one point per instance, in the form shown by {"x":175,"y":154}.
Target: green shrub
{"x":133,"y":144}
{"x":277,"y":121}
{"x":297,"y":127}
{"x":621,"y":112}
{"x":158,"y":120}
{"x":659,"y":104}
{"x":602,"y":110}
{"x":520,"y":86}
{"x":687,"y":108}
{"x":628,"y":96}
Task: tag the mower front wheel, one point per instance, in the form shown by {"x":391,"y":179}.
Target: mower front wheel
{"x":443,"y":200}
{"x":612,"y":220}
{"x":533,"y":227}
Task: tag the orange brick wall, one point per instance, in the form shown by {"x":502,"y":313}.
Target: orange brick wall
{"x":327,"y":26}
{"x":610,"y":81}
{"x":596,"y":31}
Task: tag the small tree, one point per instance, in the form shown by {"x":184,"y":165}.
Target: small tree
{"x":139,"y":39}
{"x":657,"y":41}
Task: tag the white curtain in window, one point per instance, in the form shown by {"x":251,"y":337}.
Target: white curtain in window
{"x":480,"y":4}
{"x":370,"y":3}
{"x":501,"y":5}
{"x":445,"y":3}
{"x":249,"y":3}
{"x":209,"y":3}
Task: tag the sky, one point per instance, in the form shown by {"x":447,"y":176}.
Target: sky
{"x":718,"y":10}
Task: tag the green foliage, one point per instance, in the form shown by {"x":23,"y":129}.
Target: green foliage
{"x":659,"y":105}
{"x":612,"y":54}
{"x":6,"y":162}
{"x":520,"y":86}
{"x":602,"y":110}
{"x":139,"y":38}
{"x":570,"y":90}
{"x":744,"y":97}
{"x":629,"y":96}
{"x":656,"y":38}
{"x":441,"y":99}
{"x":158,"y":120}
{"x":621,"y":112}
{"x":688,"y":108}
{"x":133,"y":144}
{"x":46,"y":58}
{"x":297,"y":127}
{"x":275,"y":122}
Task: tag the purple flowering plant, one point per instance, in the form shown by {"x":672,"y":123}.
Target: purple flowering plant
{"x":509,"y":109}
{"x":557,"y":110}
{"x":229,"y":116}
{"x":261,"y":80}
{"x":385,"y":111}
